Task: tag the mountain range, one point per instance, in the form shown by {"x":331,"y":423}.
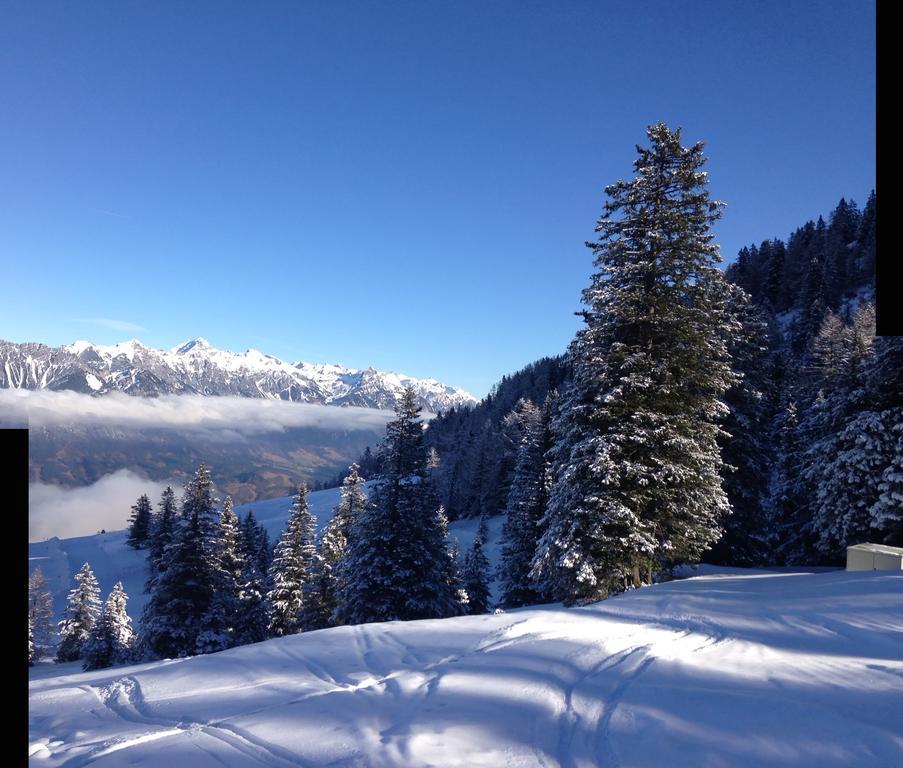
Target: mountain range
{"x":196,"y":367}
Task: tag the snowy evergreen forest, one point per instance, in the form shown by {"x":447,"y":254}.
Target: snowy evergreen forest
{"x":743,"y":417}
{"x":215,"y":582}
{"x":810,"y":440}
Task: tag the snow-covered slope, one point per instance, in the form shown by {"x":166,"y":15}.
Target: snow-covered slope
{"x":198,"y":368}
{"x":732,"y":668}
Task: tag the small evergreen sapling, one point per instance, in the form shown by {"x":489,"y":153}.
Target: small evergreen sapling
{"x":32,"y":655}
{"x":140,"y":523}
{"x":112,"y":638}
{"x":476,"y":572}
{"x":82,"y":612}
{"x":40,"y":612}
{"x":291,"y":568}
{"x":455,"y":580}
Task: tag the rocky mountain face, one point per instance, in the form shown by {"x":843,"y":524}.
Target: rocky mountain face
{"x":195,"y":367}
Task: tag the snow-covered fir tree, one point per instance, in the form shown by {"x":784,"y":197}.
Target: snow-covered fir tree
{"x":140,"y":523}
{"x":637,"y":476}
{"x":852,"y":437}
{"x":486,"y":472}
{"x":396,"y":562}
{"x":526,"y":505}
{"x":162,"y":527}
{"x":745,"y":440}
{"x":886,"y":514}
{"x":847,"y":484}
{"x":251,"y":624}
{"x":831,"y":467}
{"x":884,"y":372}
{"x":476,"y":572}
{"x":840,"y":241}
{"x":40,"y":612}
{"x":320,"y":592}
{"x":112,"y":636}
{"x":351,"y":505}
{"x":866,"y":239}
{"x":82,"y":611}
{"x":814,"y":304}
{"x":255,"y":542}
{"x":318,"y":598}
{"x":832,"y":385}
{"x":291,"y":568}
{"x":452,"y":565}
{"x":182,"y":592}
{"x":264,"y":549}
{"x":787,"y":503}
{"x":217,"y":628}
{"x":884,"y":393}
{"x":456,"y":565}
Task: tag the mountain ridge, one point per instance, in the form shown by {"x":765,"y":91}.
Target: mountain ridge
{"x":197,"y":367}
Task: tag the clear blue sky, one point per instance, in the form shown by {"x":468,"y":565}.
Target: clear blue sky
{"x":404,"y":185}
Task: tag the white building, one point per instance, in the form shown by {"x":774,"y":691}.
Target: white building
{"x":874,"y":557}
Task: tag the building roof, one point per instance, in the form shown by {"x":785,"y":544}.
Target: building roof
{"x":880,"y":548}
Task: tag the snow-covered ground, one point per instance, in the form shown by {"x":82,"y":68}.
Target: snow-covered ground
{"x":730,"y":668}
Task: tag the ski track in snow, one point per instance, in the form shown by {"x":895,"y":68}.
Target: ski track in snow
{"x":123,"y":698}
{"x":729,"y":669}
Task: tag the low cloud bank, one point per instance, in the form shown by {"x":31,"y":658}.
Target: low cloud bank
{"x":242,"y":415}
{"x":66,"y":512}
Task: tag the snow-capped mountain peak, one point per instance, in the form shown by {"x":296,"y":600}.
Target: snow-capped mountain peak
{"x":198,"y":344}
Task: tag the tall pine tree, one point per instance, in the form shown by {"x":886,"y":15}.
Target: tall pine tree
{"x":161,"y":533}
{"x":745,"y":440}
{"x":184,"y":589}
{"x":396,"y":563}
{"x":253,"y":619}
{"x":840,"y":242}
{"x":320,"y":598}
{"x":526,"y":505}
{"x":217,"y":630}
{"x":638,"y":470}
